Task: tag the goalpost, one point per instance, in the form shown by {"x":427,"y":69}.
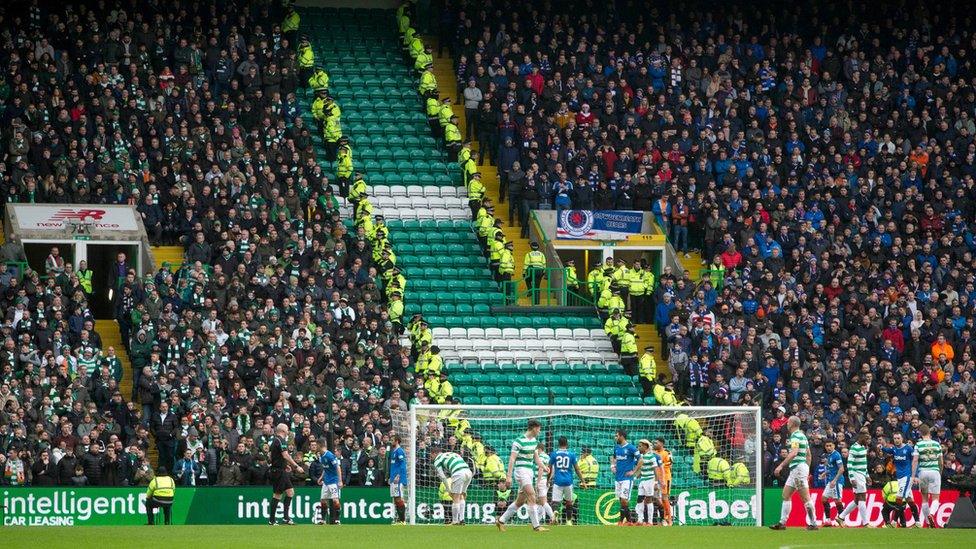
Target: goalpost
{"x":725,"y":438}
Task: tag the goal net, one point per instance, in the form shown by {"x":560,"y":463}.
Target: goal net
{"x":713,"y":477}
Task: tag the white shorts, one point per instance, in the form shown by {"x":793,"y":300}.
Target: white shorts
{"x":622,"y":488}
{"x":859,"y":482}
{"x":905,"y":488}
{"x":648,"y":487}
{"x":929,"y":481}
{"x":542,"y":486}
{"x":460,"y":481}
{"x":397,"y":490}
{"x":832,"y":493}
{"x":799,"y":477}
{"x":330,"y":491}
{"x":523,"y":477}
{"x":562,"y":493}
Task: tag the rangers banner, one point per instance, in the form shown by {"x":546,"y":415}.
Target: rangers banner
{"x":773,"y":499}
{"x":598,"y":224}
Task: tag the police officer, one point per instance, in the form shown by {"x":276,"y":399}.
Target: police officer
{"x":638,"y":293}
{"x":160,"y":493}
{"x":534,"y":266}
{"x":476,"y":193}
{"x":628,"y":351}
{"x":344,"y":165}
{"x":647,"y":370}
{"x":306,"y":59}
{"x":428,"y":82}
{"x":589,"y":467}
{"x":395,"y":310}
{"x":495,"y":247}
{"x":319,"y":80}
{"x":571,"y":280}
{"x":506,"y":265}
{"x":452,"y":136}
{"x":432,"y":106}
{"x":358,"y":188}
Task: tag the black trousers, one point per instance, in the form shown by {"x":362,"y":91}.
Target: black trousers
{"x":166,"y":504}
{"x":629,"y":362}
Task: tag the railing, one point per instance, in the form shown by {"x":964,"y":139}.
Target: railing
{"x":553,"y":293}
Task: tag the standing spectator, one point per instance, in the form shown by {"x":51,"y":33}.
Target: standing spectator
{"x":472,"y":100}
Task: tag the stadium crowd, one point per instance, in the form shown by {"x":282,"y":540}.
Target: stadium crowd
{"x":191,"y":112}
{"x":821,"y":156}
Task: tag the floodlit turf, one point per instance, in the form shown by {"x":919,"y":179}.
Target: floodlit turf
{"x":435,"y":537}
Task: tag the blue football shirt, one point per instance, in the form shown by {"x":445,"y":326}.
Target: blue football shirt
{"x":626,"y":460}
{"x":562,"y":463}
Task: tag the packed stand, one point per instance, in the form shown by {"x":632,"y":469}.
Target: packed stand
{"x":194,"y":114}
{"x":826,"y":173}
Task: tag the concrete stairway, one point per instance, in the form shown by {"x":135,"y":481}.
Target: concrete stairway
{"x":171,"y":255}
{"x":446,"y":84}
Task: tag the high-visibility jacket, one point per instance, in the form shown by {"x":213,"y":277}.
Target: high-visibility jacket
{"x":364,"y":208}
{"x":403,"y":22}
{"x":616,"y":302}
{"x":718,"y":468}
{"x":628,"y":344}
{"x":344,"y":162}
{"x":333,"y":129}
{"x":395,"y":309}
{"x":495,"y":248}
{"x":618,"y":279}
{"x":433,"y":108}
{"x":85,"y":279}
{"x":738,"y":475}
{"x":615,"y":326}
{"x":534,"y":259}
{"x":452,"y":134}
{"x":162,"y":487}
{"x":463,"y":155}
{"x":649,"y":281}
{"x":318,"y":108}
{"x":506,"y":262}
{"x":476,"y":191}
{"x":422,"y":60}
{"x":648,"y":367}
{"x":469,"y":168}
{"x":604,"y":301}
{"x":494,"y":469}
{"x":416,"y":47}
{"x":306,"y":57}
{"x":434,"y":365}
{"x":428,"y":83}
{"x":319,"y":80}
{"x":572,"y":281}
{"x":589,"y":468}
{"x":595,"y":280}
{"x":484,"y":224}
{"x":423,"y":336}
{"x":704,"y":451}
{"x":635,"y":282}
{"x":445,"y":114}
{"x":443,"y":391}
{"x":665,"y":396}
{"x":717,"y":275}
{"x":290,"y":24}
{"x":357,"y":189}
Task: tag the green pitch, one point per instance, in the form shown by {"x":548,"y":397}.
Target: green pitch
{"x":434,"y":537}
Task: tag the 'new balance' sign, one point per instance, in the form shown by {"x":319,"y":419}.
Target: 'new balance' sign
{"x":43,"y":217}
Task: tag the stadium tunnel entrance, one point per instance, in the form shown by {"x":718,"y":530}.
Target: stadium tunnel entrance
{"x":103,"y":260}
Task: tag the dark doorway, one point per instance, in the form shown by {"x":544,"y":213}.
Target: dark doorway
{"x":37,"y":254}
{"x":102,"y":260}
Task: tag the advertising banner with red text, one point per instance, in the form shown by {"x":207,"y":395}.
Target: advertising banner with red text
{"x":773,"y":500}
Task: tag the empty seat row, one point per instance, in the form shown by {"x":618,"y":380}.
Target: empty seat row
{"x":429,"y":202}
{"x":506,"y":321}
{"x":418,"y":190}
{"x":514,"y":344}
{"x":393,"y":212}
{"x":597,"y":368}
{"x":534,"y":356}
{"x":523,"y":333}
{"x":558,"y":401}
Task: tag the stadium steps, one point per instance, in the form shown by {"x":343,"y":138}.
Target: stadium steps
{"x":447,"y":276}
{"x":647,"y":335}
{"x":692,"y":264}
{"x":108,"y":330}
{"x":171,"y":255}
{"x":447,"y":87}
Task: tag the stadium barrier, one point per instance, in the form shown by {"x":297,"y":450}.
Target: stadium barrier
{"x":772,"y":499}
{"x":65,"y":506}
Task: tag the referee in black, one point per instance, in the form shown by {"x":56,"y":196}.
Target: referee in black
{"x":280,"y":474}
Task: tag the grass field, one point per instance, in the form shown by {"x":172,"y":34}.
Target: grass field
{"x":592,"y":537}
